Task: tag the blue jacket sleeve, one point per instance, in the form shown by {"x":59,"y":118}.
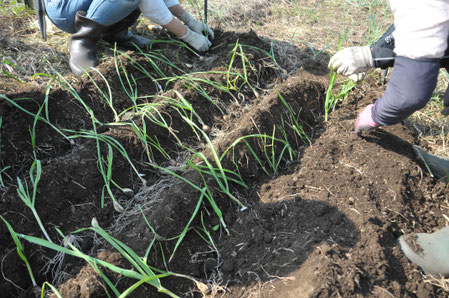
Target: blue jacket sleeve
{"x":409,"y":89}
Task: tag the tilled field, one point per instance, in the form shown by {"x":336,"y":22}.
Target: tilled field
{"x":285,"y":204}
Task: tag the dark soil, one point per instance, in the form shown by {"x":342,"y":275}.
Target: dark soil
{"x":325,"y":223}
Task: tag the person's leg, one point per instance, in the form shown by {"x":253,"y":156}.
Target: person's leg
{"x":119,"y":33}
{"x":105,"y":12}
{"x":87,"y":20}
{"x":62,"y":12}
{"x":108,"y":12}
{"x":410,"y":87}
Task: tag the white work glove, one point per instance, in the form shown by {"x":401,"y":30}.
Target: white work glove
{"x":357,"y":77}
{"x":197,"y":41}
{"x":197,"y":26}
{"x":352,"y":60}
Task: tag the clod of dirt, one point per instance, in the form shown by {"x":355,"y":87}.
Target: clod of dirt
{"x":228,"y":265}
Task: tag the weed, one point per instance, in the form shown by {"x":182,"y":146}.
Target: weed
{"x":108,"y":97}
{"x":270,"y":155}
{"x":2,"y":183}
{"x":16,"y":7}
{"x":332,"y":99}
{"x":20,"y":250}
{"x":53,"y":288}
{"x":141,"y":271}
{"x":30,"y":199}
{"x":294,"y":119}
{"x":221,"y":179}
{"x":9,"y":66}
{"x":105,"y":165}
{"x":231,"y":81}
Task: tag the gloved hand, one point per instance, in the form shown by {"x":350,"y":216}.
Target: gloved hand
{"x":365,"y":120}
{"x":197,"y":26}
{"x":352,"y":60}
{"x":197,"y":41}
{"x":357,"y":77}
{"x":445,"y":110}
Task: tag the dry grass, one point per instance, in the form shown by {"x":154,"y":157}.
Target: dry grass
{"x":27,"y":53}
{"x":439,"y":282}
{"x":431,"y":125}
{"x":317,"y":23}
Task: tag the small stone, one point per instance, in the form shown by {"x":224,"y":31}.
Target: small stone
{"x":215,"y":221}
{"x":206,"y":128}
{"x":37,"y":291}
{"x":267,"y":237}
{"x":201,"y":58}
{"x":87,"y":244}
{"x":210,"y":264}
{"x":228,"y":266}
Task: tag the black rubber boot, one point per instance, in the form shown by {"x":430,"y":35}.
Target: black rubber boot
{"x":119,"y":33}
{"x":83,"y":44}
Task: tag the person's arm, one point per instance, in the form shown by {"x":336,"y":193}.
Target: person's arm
{"x":409,"y":89}
{"x":176,"y":27}
{"x":195,"y":25}
{"x":158,"y":12}
{"x":356,"y":60}
{"x":177,"y":10}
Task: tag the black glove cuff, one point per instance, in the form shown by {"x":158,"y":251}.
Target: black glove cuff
{"x":387,"y":39}
{"x":382,"y":57}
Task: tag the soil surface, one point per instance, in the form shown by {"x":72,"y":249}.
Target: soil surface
{"x":324,"y":221}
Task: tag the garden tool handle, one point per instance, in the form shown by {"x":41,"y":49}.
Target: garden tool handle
{"x":41,"y":18}
{"x":205,"y":12}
